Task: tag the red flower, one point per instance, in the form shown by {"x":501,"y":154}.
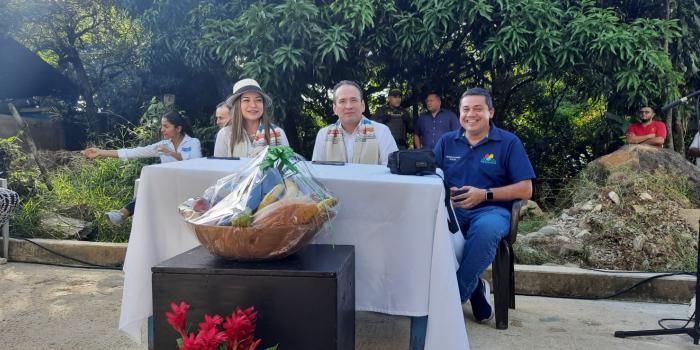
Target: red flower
{"x":239,"y":328}
{"x":210,"y":339}
{"x":177,"y":317}
{"x":237,"y":334}
{"x":189,"y":343}
{"x":205,"y":340}
{"x":210,"y":322}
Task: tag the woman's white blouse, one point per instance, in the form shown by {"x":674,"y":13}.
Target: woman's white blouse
{"x":189,"y":148}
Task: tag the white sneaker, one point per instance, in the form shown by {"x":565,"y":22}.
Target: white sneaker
{"x":115,"y":217}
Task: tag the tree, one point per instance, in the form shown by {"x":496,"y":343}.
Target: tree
{"x":297,"y":48}
{"x":683,"y":50}
{"x":95,"y":43}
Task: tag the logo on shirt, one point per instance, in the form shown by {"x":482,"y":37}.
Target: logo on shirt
{"x":488,"y":159}
{"x":452,"y":158}
{"x":187,"y":149}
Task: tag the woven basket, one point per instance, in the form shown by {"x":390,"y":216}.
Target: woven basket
{"x":258,"y":243}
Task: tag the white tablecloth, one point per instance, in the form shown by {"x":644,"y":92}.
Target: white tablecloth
{"x":405,"y":264}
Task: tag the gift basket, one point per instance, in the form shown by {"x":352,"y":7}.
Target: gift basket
{"x":268,"y":209}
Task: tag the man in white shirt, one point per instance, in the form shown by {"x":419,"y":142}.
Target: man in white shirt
{"x":353,"y":138}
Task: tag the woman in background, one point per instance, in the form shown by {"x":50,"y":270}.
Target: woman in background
{"x":178,"y":144}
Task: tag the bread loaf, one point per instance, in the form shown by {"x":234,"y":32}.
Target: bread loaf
{"x":285,"y":212}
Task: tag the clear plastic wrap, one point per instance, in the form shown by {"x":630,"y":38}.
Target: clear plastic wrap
{"x":268,"y":209}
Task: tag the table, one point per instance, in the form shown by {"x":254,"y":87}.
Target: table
{"x":317,"y":282}
{"x":405,"y":264}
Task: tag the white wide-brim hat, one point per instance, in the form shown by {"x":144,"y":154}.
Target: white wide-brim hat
{"x":248,"y":85}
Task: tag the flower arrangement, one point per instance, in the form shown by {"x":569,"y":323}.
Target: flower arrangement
{"x":236,"y":332}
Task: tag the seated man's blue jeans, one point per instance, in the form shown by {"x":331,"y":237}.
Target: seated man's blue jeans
{"x":485,"y":227}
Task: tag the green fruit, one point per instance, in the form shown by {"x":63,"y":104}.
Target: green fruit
{"x":243,"y":219}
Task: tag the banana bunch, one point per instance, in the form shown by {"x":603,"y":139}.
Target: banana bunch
{"x":288,"y":189}
{"x":326,"y":204}
{"x":305,"y":214}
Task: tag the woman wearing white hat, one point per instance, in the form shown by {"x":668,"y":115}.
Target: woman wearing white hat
{"x":249,"y":129}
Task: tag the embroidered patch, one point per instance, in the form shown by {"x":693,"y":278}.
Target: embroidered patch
{"x":187,"y":149}
{"x":452,"y":158}
{"x":488,"y":159}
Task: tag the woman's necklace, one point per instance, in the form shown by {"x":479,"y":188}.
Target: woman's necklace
{"x":251,"y":136}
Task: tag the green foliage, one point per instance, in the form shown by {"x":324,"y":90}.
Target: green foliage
{"x":95,"y":44}
{"x":295,"y":48}
{"x":21,"y":177}
{"x":148,"y":129}
{"x":83,"y":189}
{"x":26,"y":222}
{"x":95,"y":187}
{"x":564,"y":74}
{"x":532,"y":224}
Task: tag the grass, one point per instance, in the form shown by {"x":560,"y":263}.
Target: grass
{"x":532,"y":224}
{"x":83,"y":189}
{"x":529,"y":256}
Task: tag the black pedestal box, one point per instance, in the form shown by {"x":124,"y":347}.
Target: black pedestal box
{"x":305,"y":301}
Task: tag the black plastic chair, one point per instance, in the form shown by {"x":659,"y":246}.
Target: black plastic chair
{"x":503,"y":270}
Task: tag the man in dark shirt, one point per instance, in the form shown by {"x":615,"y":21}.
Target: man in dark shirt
{"x":433,"y":123}
{"x":396,"y":118}
{"x":486,"y":168}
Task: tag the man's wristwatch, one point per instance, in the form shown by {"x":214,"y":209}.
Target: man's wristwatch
{"x":489,"y":194}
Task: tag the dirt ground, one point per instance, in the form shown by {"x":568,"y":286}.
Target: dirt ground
{"x":48,"y":307}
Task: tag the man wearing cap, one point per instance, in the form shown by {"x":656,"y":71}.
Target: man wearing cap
{"x":486,"y":168}
{"x":353,"y":138}
{"x":396,"y":118}
{"x":648,"y":131}
{"x":433,"y":123}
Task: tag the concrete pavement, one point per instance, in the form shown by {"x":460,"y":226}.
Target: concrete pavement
{"x":48,"y":307}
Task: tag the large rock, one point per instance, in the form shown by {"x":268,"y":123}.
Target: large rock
{"x":548,"y":230}
{"x":531,"y":209}
{"x":643,"y":157}
{"x":68,"y":228}
{"x":692,"y":217}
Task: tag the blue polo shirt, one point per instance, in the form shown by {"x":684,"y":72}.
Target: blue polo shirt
{"x":497,"y":160}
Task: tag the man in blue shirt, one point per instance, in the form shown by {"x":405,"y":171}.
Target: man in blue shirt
{"x":486,"y":168}
{"x":429,"y":126}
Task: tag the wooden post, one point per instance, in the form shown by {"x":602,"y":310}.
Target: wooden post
{"x":33,"y":154}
